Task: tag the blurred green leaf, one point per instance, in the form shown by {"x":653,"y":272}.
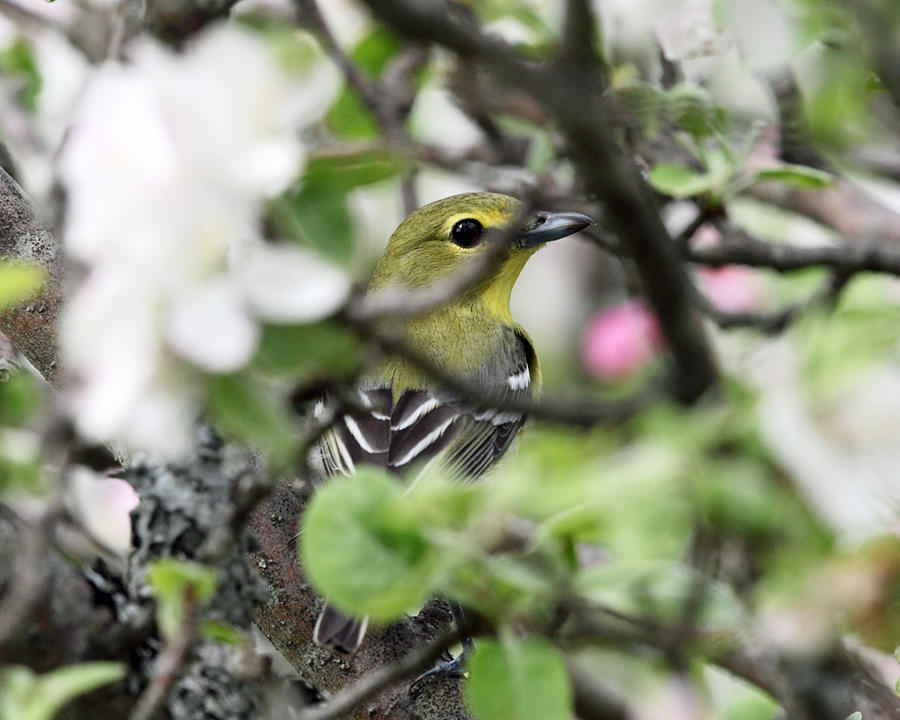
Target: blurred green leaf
{"x":19,"y":398}
{"x":518,"y":680}
{"x":739,"y":497}
{"x":646,"y":102}
{"x":303,"y":350}
{"x":837,"y":103}
{"x":246,"y":410}
{"x":692,"y":109}
{"x":374,"y":50}
{"x":317,"y":218}
{"x":18,"y":282}
{"x":798,"y":176}
{"x":364,"y":549}
{"x":735,"y":699}
{"x":27,"y":696}
{"x":221,"y":632}
{"x":350,"y":118}
{"x":17,"y":61}
{"x":342,"y":173}
{"x":662,"y":591}
{"x":680,"y":182}
{"x":172,"y":581}
{"x":20,"y":462}
{"x":315,"y":211}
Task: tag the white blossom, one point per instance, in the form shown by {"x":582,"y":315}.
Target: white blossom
{"x":168,"y":166}
{"x":287,"y":284}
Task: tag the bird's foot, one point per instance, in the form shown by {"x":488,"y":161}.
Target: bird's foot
{"x":450,"y":668}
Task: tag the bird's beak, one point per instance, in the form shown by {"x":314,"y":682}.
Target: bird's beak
{"x":543,"y":227}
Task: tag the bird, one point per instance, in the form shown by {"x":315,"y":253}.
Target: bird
{"x":404,"y":420}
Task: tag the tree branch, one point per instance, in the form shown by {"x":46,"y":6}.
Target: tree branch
{"x":740,"y":248}
{"x":32,"y":326}
{"x":377,"y":680}
{"x":578,"y":46}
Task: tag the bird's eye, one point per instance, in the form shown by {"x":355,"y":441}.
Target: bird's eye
{"x":467,"y":233}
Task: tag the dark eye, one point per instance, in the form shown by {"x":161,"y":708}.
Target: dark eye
{"x":466,"y":233}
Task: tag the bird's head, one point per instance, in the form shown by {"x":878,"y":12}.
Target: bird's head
{"x":438,"y":239}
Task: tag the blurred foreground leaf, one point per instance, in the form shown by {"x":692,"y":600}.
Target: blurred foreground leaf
{"x":664,"y":591}
{"x":27,"y":696}
{"x":18,"y":282}
{"x":518,"y":680}
{"x":303,"y":350}
{"x":172,"y":581}
{"x":243,"y":408}
{"x":362,"y":547}
{"x":799,"y":176}
{"x":678,"y":181}
{"x":315,"y":211}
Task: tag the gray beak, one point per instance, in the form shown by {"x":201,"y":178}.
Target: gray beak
{"x":546,"y":226}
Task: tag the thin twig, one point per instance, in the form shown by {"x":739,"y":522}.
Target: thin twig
{"x":777,"y":321}
{"x":593,"y":701}
{"x":368,"y":90}
{"x":29,"y":577}
{"x":169,"y":663}
{"x":740,"y":248}
{"x":577,"y":411}
{"x":118,"y":23}
{"x":683,"y":238}
{"x":375,"y":682}
{"x":402,"y":302}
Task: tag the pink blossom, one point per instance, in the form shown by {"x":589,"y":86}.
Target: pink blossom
{"x":103,"y":504}
{"x":706,"y":236}
{"x":620,"y":339}
{"x":765,"y":153}
{"x":732,"y":288}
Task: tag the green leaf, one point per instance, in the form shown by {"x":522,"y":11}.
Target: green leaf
{"x":18,"y":282}
{"x":308,"y":349}
{"x":374,"y":50}
{"x":342,"y":173}
{"x":693,"y":110}
{"x":349,"y":118}
{"x":518,"y":680}
{"x":26,"y":696}
{"x":318,"y":218}
{"x":678,"y":181}
{"x":315,"y":211}
{"x":363,"y":548}
{"x":798,"y":176}
{"x":662,"y":591}
{"x":221,"y":632}
{"x":19,"y":398}
{"x":172,"y":581}
{"x":17,"y":61}
{"x":20,"y":462}
{"x":244,"y":409}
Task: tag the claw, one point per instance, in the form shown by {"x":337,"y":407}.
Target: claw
{"x":451,"y":668}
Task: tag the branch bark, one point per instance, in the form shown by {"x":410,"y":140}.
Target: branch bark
{"x":31,"y":327}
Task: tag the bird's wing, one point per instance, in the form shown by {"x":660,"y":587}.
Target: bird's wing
{"x":425,"y":425}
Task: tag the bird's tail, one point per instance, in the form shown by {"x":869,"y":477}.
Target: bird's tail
{"x":338,"y":631}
